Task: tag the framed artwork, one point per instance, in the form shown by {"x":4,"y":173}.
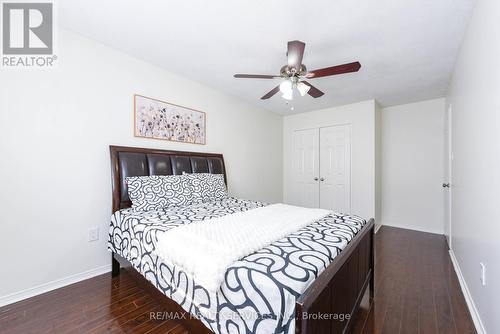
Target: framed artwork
{"x":162,"y":120}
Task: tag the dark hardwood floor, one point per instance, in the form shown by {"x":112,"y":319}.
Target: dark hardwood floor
{"x":416,"y":291}
{"x":416,"y":288}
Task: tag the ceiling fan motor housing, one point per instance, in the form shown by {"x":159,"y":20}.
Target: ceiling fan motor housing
{"x":287,"y":71}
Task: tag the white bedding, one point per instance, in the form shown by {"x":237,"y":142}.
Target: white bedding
{"x":205,"y":249}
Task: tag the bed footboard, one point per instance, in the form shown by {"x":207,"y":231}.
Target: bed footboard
{"x":333,"y":299}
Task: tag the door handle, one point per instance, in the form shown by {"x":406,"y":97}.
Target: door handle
{"x":446,"y":185}
{"x":315,"y":179}
{"x":322,"y":179}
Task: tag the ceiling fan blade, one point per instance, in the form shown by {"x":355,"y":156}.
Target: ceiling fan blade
{"x":256,"y":76}
{"x":334,"y":70}
{"x":271,"y":93}
{"x":313,"y":91}
{"x":295,"y":53}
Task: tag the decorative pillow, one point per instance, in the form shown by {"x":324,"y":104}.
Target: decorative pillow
{"x":207,"y":187}
{"x":156,"y":192}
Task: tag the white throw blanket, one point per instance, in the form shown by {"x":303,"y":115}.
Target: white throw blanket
{"x":205,"y":249}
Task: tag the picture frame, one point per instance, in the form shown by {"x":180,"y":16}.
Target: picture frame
{"x":157,"y":119}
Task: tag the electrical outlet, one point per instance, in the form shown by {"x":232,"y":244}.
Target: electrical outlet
{"x":483,"y":273}
{"x":94,"y":234}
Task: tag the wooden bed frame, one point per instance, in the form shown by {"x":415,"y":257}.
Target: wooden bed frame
{"x":328,"y":305}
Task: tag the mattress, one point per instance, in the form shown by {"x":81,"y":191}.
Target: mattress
{"x":259,"y":291}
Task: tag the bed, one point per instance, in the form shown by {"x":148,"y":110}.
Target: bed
{"x":311,"y":281}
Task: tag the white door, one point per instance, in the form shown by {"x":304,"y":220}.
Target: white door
{"x":447,"y":184}
{"x":335,"y":168}
{"x":305,"y":168}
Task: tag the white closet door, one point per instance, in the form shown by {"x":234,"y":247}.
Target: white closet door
{"x":335,"y":168}
{"x":305,"y":168}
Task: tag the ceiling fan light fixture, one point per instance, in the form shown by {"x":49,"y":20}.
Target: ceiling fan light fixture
{"x":303,"y":88}
{"x":288,"y":95}
{"x":286,"y":87}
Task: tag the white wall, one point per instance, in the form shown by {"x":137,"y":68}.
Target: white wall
{"x":55,"y":128}
{"x":412,"y":165}
{"x":378,"y":166}
{"x":475,"y":98}
{"x":362,"y":118}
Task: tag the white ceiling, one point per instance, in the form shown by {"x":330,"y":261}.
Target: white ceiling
{"x":407,"y":48}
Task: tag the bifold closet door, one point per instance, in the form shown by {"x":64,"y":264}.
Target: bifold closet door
{"x":335,"y":168}
{"x":304,"y":187}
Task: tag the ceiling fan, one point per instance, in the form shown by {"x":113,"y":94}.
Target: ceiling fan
{"x":295,"y":72}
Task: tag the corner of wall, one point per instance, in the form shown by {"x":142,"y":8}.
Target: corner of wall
{"x":378,"y":163}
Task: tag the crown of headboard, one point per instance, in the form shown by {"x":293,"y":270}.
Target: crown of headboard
{"x":136,"y":161}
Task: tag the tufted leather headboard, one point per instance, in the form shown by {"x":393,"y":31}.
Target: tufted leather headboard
{"x":135,"y":161}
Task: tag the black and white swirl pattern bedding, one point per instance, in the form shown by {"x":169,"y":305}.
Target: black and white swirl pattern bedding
{"x":156,"y":192}
{"x":207,"y":187}
{"x":259,"y":291}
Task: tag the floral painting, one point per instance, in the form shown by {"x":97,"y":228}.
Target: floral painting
{"x":162,"y":120}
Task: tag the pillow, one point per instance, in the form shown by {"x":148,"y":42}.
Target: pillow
{"x":156,"y":192}
{"x":207,"y":187}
